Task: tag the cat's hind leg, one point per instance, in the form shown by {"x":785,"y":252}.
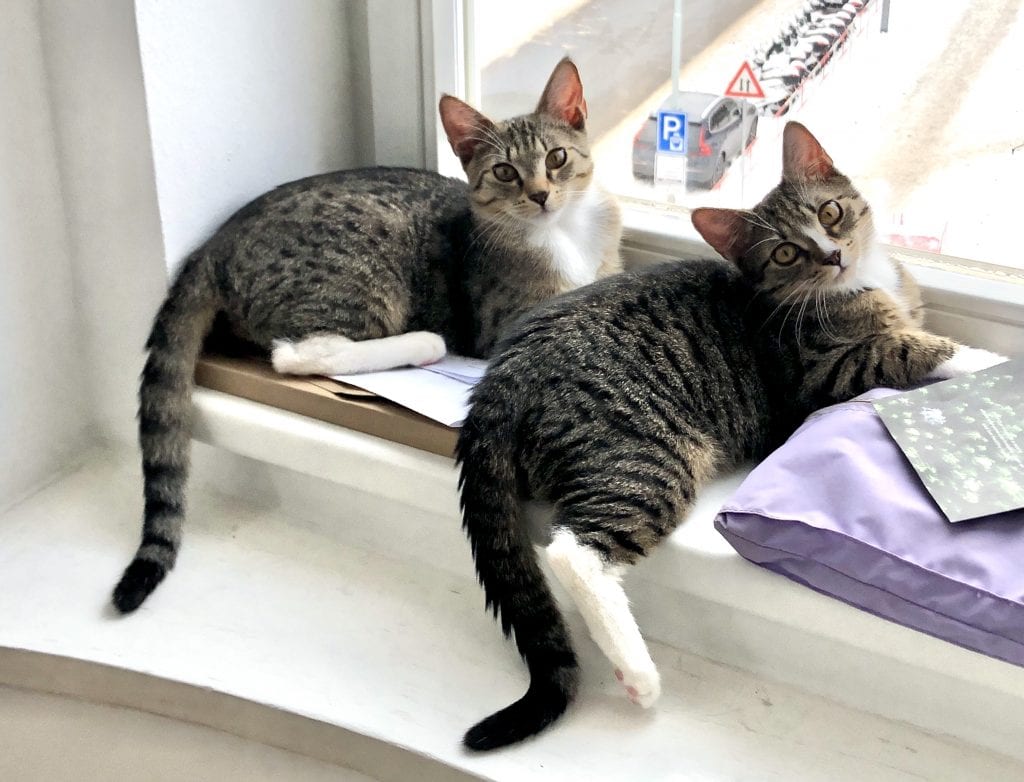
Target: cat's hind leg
{"x":334,"y":354}
{"x":595,"y":587}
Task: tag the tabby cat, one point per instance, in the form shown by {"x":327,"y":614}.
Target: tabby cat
{"x":370,"y":269}
{"x":606,"y":409}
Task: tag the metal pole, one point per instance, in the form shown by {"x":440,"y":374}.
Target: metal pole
{"x":744,"y":123}
{"x":885,"y":16}
{"x":677,"y":45}
{"x":471,"y":70}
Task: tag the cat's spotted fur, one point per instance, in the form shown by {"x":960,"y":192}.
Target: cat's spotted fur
{"x":612,"y":405}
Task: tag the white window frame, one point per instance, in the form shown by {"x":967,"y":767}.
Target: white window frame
{"x":982,"y":304}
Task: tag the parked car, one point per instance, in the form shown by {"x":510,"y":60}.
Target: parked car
{"x":718,"y":131}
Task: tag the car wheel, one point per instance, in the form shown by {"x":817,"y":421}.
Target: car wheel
{"x":719,"y":170}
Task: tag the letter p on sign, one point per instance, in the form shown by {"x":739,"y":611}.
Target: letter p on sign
{"x":671,"y":133}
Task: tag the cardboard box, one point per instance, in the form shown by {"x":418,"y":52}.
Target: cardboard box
{"x":326,"y":400}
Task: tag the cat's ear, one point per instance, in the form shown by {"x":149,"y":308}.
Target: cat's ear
{"x":727,"y":230}
{"x":465,"y":126}
{"x":802,"y":155}
{"x":563,"y":96}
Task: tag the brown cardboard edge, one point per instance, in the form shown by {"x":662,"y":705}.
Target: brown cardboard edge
{"x":255,"y":380}
{"x":337,"y":387}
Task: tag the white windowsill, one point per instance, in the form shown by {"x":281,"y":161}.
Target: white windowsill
{"x":307,"y":627}
{"x":695,"y":593}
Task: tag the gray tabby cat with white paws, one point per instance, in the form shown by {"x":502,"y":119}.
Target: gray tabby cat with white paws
{"x":371,"y":269}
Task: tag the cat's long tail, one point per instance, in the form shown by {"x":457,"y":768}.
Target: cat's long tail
{"x":514,"y":585}
{"x":165,"y":407}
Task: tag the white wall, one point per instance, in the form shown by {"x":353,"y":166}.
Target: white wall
{"x":95,"y":81}
{"x":169,"y":116}
{"x":242,"y":95}
{"x":395,"y":60}
{"x":44,"y":407}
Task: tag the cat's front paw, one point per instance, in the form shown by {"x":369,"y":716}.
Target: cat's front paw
{"x":425,"y":348}
{"x":965,"y":361}
{"x":285,"y":358}
{"x":643,"y":687}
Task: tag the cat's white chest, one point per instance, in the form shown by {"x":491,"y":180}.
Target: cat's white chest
{"x":877,"y":271}
{"x":573,"y":239}
{"x":569,"y":260}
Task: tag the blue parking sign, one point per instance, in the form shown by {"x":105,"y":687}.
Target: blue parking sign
{"x":671,"y":133}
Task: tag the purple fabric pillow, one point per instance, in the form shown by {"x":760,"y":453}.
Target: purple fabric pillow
{"x":840,"y":509}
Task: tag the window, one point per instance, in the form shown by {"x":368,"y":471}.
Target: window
{"x":719,"y":119}
{"x":913,"y":100}
{"x":734,"y":112}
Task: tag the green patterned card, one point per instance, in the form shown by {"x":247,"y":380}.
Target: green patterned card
{"x":965,"y":438}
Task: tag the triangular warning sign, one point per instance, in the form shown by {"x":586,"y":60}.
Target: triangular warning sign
{"x":744,"y":84}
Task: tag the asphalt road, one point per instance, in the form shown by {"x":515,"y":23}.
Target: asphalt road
{"x":623,"y":49}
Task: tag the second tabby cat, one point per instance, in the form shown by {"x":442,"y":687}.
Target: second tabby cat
{"x":609,"y":407}
{"x":363,"y":270}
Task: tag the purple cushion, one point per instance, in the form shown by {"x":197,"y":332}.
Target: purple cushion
{"x":840,"y":509}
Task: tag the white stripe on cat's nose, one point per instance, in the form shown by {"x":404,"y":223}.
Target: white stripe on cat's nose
{"x":824,"y":242}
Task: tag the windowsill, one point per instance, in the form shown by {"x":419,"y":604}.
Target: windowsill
{"x":694,"y":594}
{"x":312,"y":633}
{"x":322,"y":450}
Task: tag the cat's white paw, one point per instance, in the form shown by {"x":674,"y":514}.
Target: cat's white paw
{"x":285,"y":358}
{"x":425,"y":347}
{"x":965,"y":361}
{"x":308,"y":356}
{"x":643,"y":687}
{"x":333,"y":354}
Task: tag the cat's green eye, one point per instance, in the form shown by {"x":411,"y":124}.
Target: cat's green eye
{"x":785,"y":253}
{"x":830,"y":213}
{"x":504,"y":172}
{"x":556,"y":158}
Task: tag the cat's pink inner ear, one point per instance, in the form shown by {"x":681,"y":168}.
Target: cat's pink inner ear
{"x":563,"y":96}
{"x":464,"y":126}
{"x":802,"y":156}
{"x":724,"y":229}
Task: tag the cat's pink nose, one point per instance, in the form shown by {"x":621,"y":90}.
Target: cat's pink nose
{"x":835,"y":258}
{"x":540,"y":197}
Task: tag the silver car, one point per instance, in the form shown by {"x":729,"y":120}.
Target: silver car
{"x":719,"y":130}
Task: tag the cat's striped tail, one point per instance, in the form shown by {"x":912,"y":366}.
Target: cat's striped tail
{"x":514,"y":585}
{"x":165,"y":407}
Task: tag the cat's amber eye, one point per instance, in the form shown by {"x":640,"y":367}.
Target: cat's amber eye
{"x":785,"y":253}
{"x":830,"y":213}
{"x":556,"y":158}
{"x":504,"y":172}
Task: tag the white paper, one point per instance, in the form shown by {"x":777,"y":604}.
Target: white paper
{"x":468,"y":370}
{"x":439,"y":391}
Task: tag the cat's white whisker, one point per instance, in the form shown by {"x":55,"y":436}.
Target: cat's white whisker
{"x":759,"y":221}
{"x":762,"y":241}
{"x":798,"y":291}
